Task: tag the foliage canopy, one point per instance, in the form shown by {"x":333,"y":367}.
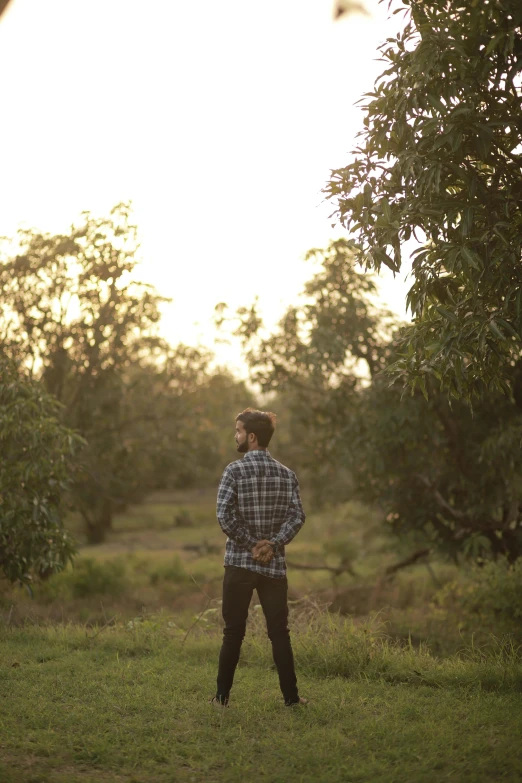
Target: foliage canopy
{"x":441,"y":475}
{"x":440,"y":162}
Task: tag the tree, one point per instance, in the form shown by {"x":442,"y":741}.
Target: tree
{"x":440,"y":161}
{"x":72,"y":314}
{"x":210,"y":426}
{"x":322,"y":353}
{"x":3,"y":6}
{"x":35,"y":472}
{"x":193,"y":429}
{"x":442,"y":474}
{"x":140,"y":435}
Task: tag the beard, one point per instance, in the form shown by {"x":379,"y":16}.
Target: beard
{"x":242,"y":447}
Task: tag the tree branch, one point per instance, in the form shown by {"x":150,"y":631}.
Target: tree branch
{"x":440,"y":500}
{"x":392,"y":569}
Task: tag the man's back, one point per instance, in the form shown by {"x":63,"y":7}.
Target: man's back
{"x":258,"y":498}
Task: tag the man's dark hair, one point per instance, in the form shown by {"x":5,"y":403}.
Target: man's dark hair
{"x":261,"y":423}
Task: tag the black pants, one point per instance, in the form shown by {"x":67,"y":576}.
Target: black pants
{"x":238,"y":586}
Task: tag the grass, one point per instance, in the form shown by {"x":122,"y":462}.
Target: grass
{"x":129,"y":703}
{"x":105,"y":672}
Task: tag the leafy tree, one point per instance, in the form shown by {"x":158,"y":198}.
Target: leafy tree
{"x":35,"y":470}
{"x":139,"y":438}
{"x":316,"y":362}
{"x":210,"y":443}
{"x":3,"y":6}
{"x":440,"y":473}
{"x":194,"y":411}
{"x":439,"y":161}
{"x":72,"y":313}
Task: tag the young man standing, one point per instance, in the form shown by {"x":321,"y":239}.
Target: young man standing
{"x":259,"y":509}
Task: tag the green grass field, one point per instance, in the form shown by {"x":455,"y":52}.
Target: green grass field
{"x":130,"y":704}
{"x":107,"y":669}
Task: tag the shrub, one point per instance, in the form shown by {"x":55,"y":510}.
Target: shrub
{"x":88,"y":577}
{"x":496,"y":591}
{"x":484,"y":600}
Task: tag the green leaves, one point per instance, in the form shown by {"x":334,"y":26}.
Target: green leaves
{"x":439,"y":161}
{"x":35,"y":470}
{"x":447,"y":314}
{"x":443,"y":474}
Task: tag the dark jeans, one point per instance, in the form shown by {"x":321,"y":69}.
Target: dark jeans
{"x":238,"y":586}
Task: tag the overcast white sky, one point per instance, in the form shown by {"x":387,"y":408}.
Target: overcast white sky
{"x":219,"y":120}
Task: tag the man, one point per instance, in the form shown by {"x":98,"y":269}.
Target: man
{"x":259,"y":509}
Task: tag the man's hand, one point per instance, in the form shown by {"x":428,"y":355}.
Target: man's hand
{"x":263,"y":551}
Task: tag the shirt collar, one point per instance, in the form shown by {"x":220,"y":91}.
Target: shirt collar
{"x":257,"y":454}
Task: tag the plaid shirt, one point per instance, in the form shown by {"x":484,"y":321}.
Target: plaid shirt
{"x":258,"y":498}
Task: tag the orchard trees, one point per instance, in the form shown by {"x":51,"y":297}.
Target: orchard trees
{"x":71,"y":313}
{"x":317,"y":361}
{"x":75,"y":319}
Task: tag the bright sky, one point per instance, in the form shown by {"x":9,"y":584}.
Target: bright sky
{"x":219,"y":119}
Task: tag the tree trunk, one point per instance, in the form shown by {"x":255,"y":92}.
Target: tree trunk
{"x":96,"y":528}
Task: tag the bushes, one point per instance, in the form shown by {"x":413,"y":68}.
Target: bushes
{"x":116,"y":578}
{"x":495,"y":591}
{"x":485,"y":600}
{"x":88,"y":578}
{"x":93,"y":578}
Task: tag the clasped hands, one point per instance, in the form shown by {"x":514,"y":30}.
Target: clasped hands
{"x":263,"y":551}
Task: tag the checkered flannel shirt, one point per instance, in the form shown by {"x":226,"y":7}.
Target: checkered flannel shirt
{"x":258,"y":498}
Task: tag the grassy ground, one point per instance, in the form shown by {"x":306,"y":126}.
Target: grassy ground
{"x":130,"y":704}
{"x":105,"y":672}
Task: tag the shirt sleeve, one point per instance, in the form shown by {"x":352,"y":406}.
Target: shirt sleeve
{"x":228,"y":514}
{"x":294,"y":520}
